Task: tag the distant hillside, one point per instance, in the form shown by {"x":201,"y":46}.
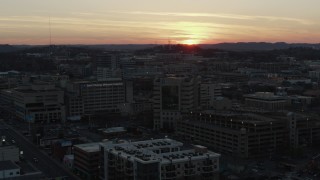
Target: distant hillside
{"x":118,"y":46}
{"x":261,"y":46}
{"x":4,"y":48}
{"x":240,"y":46}
{"x":7,"y":48}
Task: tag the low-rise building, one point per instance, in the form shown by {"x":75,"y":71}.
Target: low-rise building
{"x":61,"y":148}
{"x":68,"y":161}
{"x":9,"y":152}
{"x":8,"y":170}
{"x":114,"y":131}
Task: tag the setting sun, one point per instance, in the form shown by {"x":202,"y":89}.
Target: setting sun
{"x":190,"y":42}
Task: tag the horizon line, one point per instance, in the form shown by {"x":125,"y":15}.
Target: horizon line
{"x":89,"y":44}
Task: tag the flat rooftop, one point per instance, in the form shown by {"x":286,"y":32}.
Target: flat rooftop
{"x":185,"y":155}
{"x":89,"y":147}
{"x":235,"y":116}
{"x":35,"y":91}
{"x":95,"y":146}
{"x":7,"y":165}
{"x":144,"y":151}
{"x":264,"y":96}
{"x":156,"y":143}
{"x":114,"y":130}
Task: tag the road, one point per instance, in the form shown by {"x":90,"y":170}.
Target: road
{"x":45,"y":164}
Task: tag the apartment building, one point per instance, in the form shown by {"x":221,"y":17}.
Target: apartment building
{"x":158,"y":159}
{"x":172,"y":96}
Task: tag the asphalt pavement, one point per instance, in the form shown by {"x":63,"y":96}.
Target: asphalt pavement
{"x":45,"y":164}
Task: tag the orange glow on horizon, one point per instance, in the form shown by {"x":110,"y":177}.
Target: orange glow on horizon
{"x":156,"y":22}
{"x":190,"y":42}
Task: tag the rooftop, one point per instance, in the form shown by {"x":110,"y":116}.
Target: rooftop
{"x":35,"y":91}
{"x":186,"y":155}
{"x":114,"y":130}
{"x":148,"y":151}
{"x":89,"y":147}
{"x":95,"y":146}
{"x":155,"y":143}
{"x":7,"y":165}
{"x":264,"y":96}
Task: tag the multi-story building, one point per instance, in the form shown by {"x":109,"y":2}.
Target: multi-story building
{"x":108,"y":66}
{"x":241,"y":135}
{"x":173,"y":95}
{"x":9,"y":82}
{"x":86,"y":160}
{"x":87,"y":97}
{"x":182,"y":68}
{"x":221,"y":66}
{"x":74,"y":108}
{"x":141,"y":71}
{"x":9,"y":74}
{"x":249,"y":135}
{"x":266,"y":100}
{"x":169,"y":57}
{"x":36,"y":103}
{"x":157,"y":159}
{"x":315,"y":75}
{"x":77,"y":69}
{"x":303,"y":130}
{"x":230,"y":77}
{"x":208,"y":92}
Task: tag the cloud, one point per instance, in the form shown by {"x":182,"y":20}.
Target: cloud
{"x":221,"y":15}
{"x":156,"y":26}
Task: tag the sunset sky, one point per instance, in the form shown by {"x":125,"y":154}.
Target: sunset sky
{"x":157,"y":21}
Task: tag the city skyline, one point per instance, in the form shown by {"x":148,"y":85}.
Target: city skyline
{"x":157,"y":22}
